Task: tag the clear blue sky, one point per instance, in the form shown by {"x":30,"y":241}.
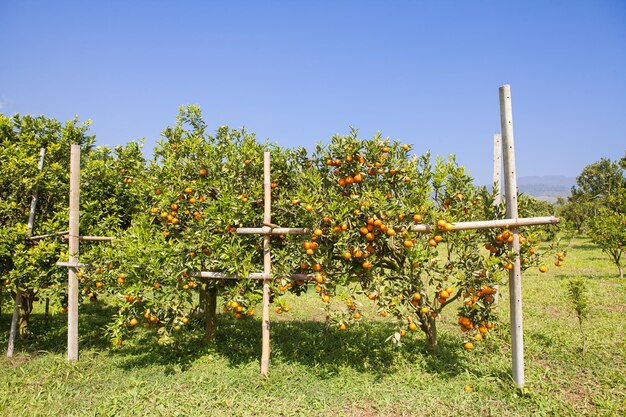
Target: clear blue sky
{"x":424,"y":72}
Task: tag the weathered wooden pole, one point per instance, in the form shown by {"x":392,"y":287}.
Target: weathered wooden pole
{"x":497,"y":187}
{"x":515,"y":275}
{"x":33,"y":201}
{"x":497,"y":167}
{"x":14,"y":319}
{"x":267,"y":266}
{"x":72,"y":284}
{"x":18,"y":296}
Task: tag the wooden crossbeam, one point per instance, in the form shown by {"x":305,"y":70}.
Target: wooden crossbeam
{"x":251,"y":275}
{"x":423,"y":228}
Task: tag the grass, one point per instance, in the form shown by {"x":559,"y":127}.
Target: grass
{"x":319,"y":371}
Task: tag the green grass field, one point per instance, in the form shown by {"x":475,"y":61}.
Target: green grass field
{"x":318,"y":371}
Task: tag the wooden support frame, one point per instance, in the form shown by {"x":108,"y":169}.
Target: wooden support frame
{"x":268,"y":229}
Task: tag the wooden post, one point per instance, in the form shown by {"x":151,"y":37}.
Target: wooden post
{"x":33,"y":201}
{"x":267,"y":265}
{"x":497,"y":185}
{"x":497,"y":167}
{"x":515,"y":275}
{"x":14,"y":319}
{"x":18,"y":296}
{"x":72,"y":296}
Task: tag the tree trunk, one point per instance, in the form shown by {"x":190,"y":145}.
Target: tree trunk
{"x":432,"y":335}
{"x":210,"y":312}
{"x":26,"y":307}
{"x":429,"y":327}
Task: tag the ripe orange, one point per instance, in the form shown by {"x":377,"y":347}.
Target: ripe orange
{"x":432,"y":243}
{"x":342,"y":326}
{"x":356,"y":315}
{"x":468,"y":345}
{"x":412,"y":326}
{"x":438,"y":238}
{"x":424,"y":309}
{"x":408,"y":243}
{"x":317,"y":267}
{"x":543,"y":268}
{"x":319,"y":278}
{"x":188,"y":190}
{"x":133,"y":321}
{"x":308,"y":207}
{"x":366,"y":265}
{"x":318,"y":232}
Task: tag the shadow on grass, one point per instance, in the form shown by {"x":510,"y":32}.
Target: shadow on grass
{"x":364,"y":348}
{"x":310,"y":343}
{"x":50,"y":335}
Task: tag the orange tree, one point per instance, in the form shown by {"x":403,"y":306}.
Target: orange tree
{"x":361,"y":199}
{"x":608,"y":230}
{"x":29,"y":267}
{"x":197,"y":190}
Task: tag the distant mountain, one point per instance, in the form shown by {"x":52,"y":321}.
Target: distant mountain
{"x":546,"y":187}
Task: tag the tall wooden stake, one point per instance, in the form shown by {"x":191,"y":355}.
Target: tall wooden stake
{"x":18,"y":296}
{"x":72,"y":296}
{"x":515,"y":275}
{"x":14,"y":319}
{"x":267,"y":265}
{"x":497,"y":167}
{"x":497,"y":184}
